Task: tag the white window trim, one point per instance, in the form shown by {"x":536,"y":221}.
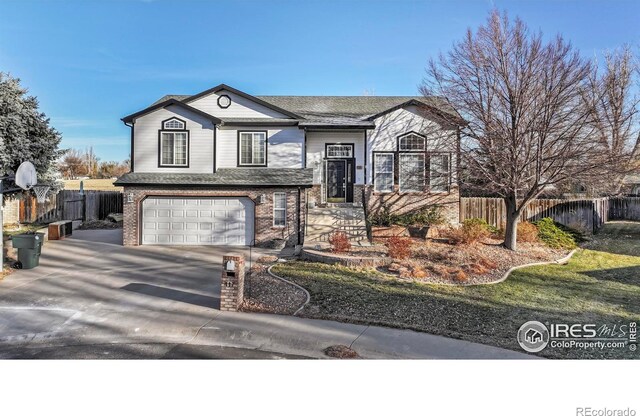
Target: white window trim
{"x":186,"y":151}
{"x":449,"y":172}
{"x":253,"y":153}
{"x":400,"y":165}
{"x":275,"y":196}
{"x":350,"y":146}
{"x":164,"y":124}
{"x":375,"y":172}
{"x":404,"y":136}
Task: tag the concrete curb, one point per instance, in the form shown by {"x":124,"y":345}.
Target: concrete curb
{"x":292,"y":284}
{"x":563,"y":260}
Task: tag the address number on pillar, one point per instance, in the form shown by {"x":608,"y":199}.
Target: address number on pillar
{"x":228,"y":284}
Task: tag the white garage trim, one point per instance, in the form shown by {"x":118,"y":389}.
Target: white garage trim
{"x":191,"y":220}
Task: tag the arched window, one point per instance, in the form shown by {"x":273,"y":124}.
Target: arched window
{"x":173,"y":124}
{"x":411,"y":142}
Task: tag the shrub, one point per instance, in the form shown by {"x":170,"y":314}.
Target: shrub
{"x":527,"y":232}
{"x":459,"y":276}
{"x":382,"y":218}
{"x":472,"y":231}
{"x":339,"y":242}
{"x":423,"y":217}
{"x":399,"y":247}
{"x":553,"y":236}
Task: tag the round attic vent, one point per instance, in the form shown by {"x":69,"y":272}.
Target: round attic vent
{"x":224,"y":101}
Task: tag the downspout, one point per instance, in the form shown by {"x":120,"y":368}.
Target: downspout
{"x":132,"y":146}
{"x":298,"y":216}
{"x":215,"y":145}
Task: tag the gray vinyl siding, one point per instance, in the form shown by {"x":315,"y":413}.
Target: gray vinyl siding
{"x":200,"y":153}
{"x":316,"y":141}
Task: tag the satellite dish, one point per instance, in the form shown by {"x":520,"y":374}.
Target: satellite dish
{"x":26,"y":175}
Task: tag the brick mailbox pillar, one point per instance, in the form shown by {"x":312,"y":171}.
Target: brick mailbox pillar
{"x":232,"y":285}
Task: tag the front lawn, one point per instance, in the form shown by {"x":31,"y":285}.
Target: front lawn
{"x":601,"y":284}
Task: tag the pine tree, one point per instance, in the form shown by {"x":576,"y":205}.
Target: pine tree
{"x":25,"y":133}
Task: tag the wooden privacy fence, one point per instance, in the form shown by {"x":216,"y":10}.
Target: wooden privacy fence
{"x":70,"y":205}
{"x":586,"y":215}
{"x":627,"y":208}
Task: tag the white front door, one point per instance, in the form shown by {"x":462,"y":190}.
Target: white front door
{"x":197,"y":221}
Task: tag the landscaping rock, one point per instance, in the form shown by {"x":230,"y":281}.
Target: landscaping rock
{"x":341,"y":351}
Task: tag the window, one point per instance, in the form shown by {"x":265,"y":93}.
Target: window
{"x":173,"y":148}
{"x":383,"y":172}
{"x":411,"y":172}
{"x":279,"y":209}
{"x":411,"y":143}
{"x":339,"y":150}
{"x":173,"y":124}
{"x":253,"y":148}
{"x":439,"y":172}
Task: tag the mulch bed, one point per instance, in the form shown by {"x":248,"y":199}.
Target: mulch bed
{"x":437,"y":261}
{"x":340,"y":351}
{"x":264,"y":293}
{"x":99,"y":225}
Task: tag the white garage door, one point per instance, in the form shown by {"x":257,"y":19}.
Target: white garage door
{"x":197,"y":221}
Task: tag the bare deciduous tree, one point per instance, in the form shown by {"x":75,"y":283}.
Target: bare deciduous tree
{"x":615,"y":120}
{"x":523,"y":100}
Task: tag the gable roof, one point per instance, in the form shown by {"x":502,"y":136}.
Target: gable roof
{"x":334,"y":111}
{"x":224,"y":87}
{"x":167,"y":103}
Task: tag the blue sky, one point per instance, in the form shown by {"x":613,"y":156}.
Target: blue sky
{"x":91,"y":63}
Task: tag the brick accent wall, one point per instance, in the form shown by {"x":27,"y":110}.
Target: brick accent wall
{"x":399,"y":203}
{"x":264,"y":229}
{"x":232,"y":284}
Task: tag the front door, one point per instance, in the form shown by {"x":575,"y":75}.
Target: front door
{"x":336,"y":180}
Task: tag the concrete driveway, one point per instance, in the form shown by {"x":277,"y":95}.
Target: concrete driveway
{"x":93,"y":298}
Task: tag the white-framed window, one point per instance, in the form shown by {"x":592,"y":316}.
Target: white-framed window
{"x":174,"y":147}
{"x":279,"y":209}
{"x":339,"y":151}
{"x":439,"y":172}
{"x":412,"y":142}
{"x":412,"y":172}
{"x":252,"y":148}
{"x":383,"y":172}
{"x":173,"y":124}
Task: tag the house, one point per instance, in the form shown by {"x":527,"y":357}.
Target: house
{"x":227,"y":167}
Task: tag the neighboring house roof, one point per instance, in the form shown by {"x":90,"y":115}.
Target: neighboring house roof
{"x":224,"y":177}
{"x":631,"y":179}
{"x":168,"y":103}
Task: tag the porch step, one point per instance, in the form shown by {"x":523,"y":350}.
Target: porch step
{"x":322,"y":222}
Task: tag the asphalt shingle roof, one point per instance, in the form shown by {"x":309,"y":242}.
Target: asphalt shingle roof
{"x":321,"y":106}
{"x":223,"y":177}
{"x":358,"y":106}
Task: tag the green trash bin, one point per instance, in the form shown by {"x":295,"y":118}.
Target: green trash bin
{"x":29,"y":249}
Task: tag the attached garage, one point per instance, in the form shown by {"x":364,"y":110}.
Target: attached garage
{"x":198,"y":221}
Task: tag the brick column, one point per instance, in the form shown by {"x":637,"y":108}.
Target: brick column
{"x":232,"y":284}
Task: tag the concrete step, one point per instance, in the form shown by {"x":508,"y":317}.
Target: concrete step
{"x":322,"y":222}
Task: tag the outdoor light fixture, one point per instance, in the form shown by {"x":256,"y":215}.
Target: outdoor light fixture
{"x":262,"y":199}
{"x":130,"y":198}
